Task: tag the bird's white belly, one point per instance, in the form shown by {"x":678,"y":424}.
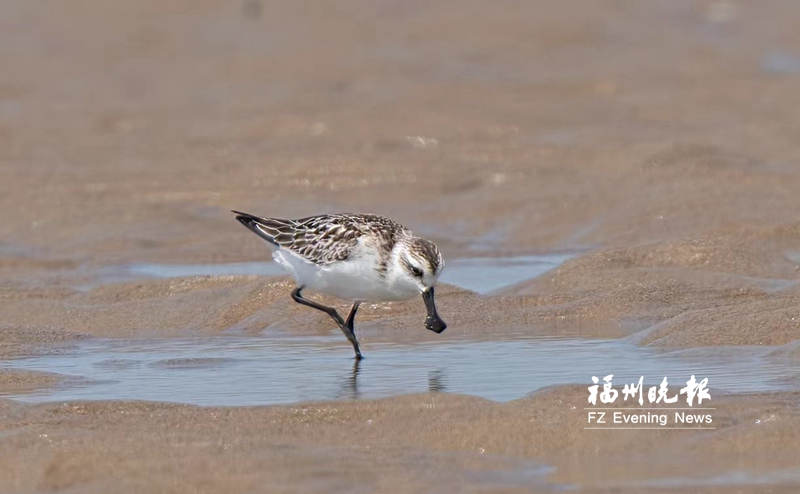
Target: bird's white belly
{"x":348,"y":280}
{"x":348,"y":284}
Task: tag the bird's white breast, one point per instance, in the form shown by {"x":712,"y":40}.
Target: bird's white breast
{"x":357,"y":278}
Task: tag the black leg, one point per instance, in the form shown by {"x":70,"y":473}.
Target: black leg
{"x":345,"y":327}
{"x":298,"y":297}
{"x":351,"y":318}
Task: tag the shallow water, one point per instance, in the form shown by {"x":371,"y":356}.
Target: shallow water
{"x":182,"y":270}
{"x":258,"y":370}
{"x":733,"y":478}
{"x":479,"y":274}
{"x":781,"y":62}
{"x":136,"y":271}
{"x":488,"y":274}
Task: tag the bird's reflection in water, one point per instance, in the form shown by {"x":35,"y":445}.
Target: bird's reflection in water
{"x":436,"y":381}
{"x":349,"y":388}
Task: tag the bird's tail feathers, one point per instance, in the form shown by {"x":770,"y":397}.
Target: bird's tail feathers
{"x":270,"y":229}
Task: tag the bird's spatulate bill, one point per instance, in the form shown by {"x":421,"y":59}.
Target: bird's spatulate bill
{"x":433,"y":321}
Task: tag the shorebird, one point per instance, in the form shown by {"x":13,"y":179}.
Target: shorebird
{"x":355,"y":257}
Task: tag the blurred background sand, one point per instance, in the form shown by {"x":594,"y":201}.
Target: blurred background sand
{"x":659,"y":139}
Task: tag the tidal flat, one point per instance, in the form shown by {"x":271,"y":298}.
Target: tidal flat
{"x":613,"y":184}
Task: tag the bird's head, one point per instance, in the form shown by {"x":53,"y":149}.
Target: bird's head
{"x":418,"y":264}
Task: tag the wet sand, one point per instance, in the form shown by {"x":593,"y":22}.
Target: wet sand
{"x":655,"y":141}
{"x":394,"y":445}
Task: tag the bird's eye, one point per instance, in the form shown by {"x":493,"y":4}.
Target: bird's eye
{"x":416,"y":271}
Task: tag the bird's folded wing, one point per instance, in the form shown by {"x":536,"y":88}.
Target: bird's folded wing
{"x":317,"y":239}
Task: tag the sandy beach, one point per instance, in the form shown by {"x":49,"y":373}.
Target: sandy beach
{"x":654,"y":143}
